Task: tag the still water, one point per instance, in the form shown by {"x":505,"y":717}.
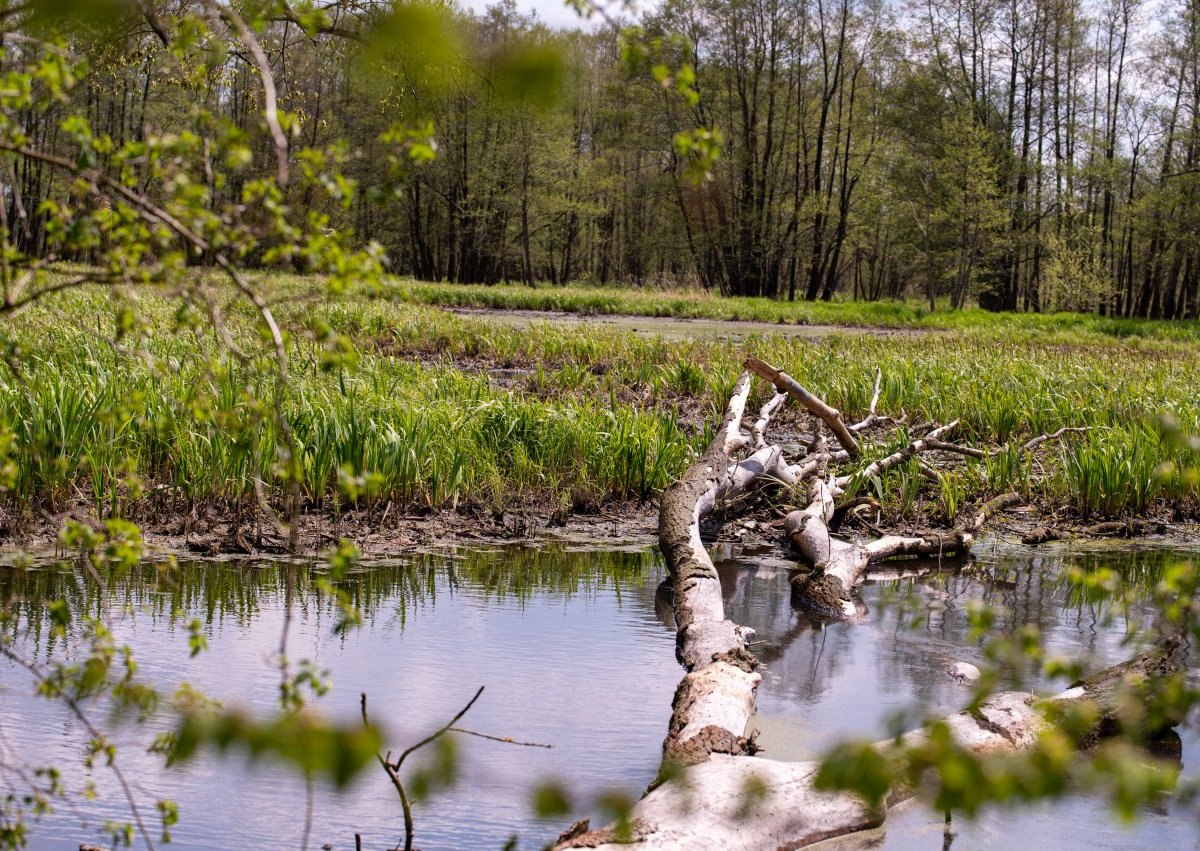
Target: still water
{"x":822,"y":684}
{"x":576,"y":650}
{"x":567,"y":645}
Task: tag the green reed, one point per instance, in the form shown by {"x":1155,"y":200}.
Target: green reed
{"x":421,"y":417}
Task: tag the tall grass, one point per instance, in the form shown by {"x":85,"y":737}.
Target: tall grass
{"x":417,"y":420}
{"x":89,"y":421}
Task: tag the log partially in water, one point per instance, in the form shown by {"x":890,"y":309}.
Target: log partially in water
{"x":724,"y":797}
{"x":840,"y":565}
{"x":716,"y":698}
{"x":742,"y":802}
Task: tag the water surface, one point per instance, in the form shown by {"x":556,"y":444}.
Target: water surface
{"x":825,"y":683}
{"x":576,"y":650}
{"x":568,"y":646}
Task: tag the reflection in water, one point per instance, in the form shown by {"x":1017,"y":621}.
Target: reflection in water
{"x":567,"y":644}
{"x":826,"y":683}
{"x":575,"y":649}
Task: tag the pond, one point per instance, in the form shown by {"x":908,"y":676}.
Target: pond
{"x":568,"y":646}
{"x":575,"y":651}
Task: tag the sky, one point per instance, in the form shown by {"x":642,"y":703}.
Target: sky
{"x":554,"y":13}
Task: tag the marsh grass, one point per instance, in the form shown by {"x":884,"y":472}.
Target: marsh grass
{"x":415,"y":418}
{"x":694,"y":304}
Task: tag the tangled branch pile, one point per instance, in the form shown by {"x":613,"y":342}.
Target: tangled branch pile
{"x":706,"y":803}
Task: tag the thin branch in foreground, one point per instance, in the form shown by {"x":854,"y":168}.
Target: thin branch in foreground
{"x":504,"y":740}
{"x":433,"y":737}
{"x":395,"y":778}
{"x":93,"y":731}
{"x":393,"y":768}
{"x":258,"y":58}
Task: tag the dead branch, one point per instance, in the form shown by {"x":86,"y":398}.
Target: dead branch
{"x":838,"y":566}
{"x":1042,"y":438}
{"x":830,"y":416}
{"x":758,"y":432}
{"x":871,"y":416}
{"x":958,"y":449}
{"x":882,"y":465}
{"x":980,"y":454}
{"x":1131,"y":528}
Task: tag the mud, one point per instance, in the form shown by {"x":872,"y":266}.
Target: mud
{"x":378,"y":533}
{"x":753,"y":526}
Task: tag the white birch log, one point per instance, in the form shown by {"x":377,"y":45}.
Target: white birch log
{"x":744,"y":803}
{"x":716,"y":699}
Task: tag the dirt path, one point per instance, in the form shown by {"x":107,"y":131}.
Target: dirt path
{"x":669,"y":327}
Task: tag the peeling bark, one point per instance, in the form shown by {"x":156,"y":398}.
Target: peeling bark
{"x":723,"y":797}
{"x":738,"y":802}
{"x":716,"y":699}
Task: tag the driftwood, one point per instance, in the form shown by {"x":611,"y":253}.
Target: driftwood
{"x":724,"y":797}
{"x":741,"y":802}
{"x":1131,"y":528}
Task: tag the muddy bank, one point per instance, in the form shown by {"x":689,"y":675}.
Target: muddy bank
{"x":381,"y":531}
{"x":755,"y":526}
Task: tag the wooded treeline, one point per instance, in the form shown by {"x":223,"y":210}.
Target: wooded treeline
{"x":1028,"y":154}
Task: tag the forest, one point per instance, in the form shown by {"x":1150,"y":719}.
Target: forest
{"x":728,"y":424}
{"x":1035,"y":155}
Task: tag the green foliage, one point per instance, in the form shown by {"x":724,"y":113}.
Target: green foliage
{"x":380,"y":411}
{"x":858,"y":766}
{"x":480,"y":148}
{"x":550,"y":800}
{"x":313,"y":746}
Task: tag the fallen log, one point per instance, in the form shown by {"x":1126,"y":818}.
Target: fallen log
{"x":716,"y":698}
{"x":1107,"y":529}
{"x":838,"y":566}
{"x":724,"y":797}
{"x":742,"y":802}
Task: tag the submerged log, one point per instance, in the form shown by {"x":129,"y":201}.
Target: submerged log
{"x":1130,"y":528}
{"x":740,"y":802}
